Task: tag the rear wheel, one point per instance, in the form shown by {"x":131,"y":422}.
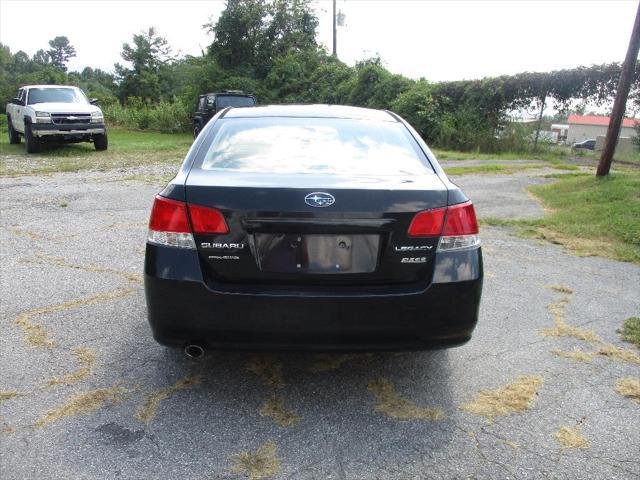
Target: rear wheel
{"x":100,"y":142}
{"x":32,"y":143}
{"x":14,"y":137}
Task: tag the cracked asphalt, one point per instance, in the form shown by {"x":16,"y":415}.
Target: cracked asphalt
{"x":87,"y":394}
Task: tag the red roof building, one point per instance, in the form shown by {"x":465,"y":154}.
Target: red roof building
{"x":599,"y":120}
{"x":590,"y":127}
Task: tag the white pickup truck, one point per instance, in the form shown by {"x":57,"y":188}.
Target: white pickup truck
{"x":57,"y":114}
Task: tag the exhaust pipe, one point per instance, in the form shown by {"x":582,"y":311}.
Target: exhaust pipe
{"x":194,"y":351}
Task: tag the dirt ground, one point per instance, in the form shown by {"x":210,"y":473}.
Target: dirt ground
{"x":543,"y":390}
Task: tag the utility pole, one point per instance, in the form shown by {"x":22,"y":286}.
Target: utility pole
{"x":335,"y":30}
{"x":620,"y":103}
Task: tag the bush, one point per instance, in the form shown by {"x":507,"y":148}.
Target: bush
{"x":163,"y":117}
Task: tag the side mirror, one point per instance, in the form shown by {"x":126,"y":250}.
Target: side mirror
{"x":17,"y":101}
{"x":94,"y":101}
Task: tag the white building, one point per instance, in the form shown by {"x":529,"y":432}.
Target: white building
{"x":585,"y":127}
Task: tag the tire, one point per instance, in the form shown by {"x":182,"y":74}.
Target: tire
{"x":32,"y":143}
{"x":14,"y":137}
{"x":101,"y":142}
{"x":196,"y":131}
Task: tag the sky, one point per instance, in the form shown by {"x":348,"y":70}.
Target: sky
{"x":437,"y":40}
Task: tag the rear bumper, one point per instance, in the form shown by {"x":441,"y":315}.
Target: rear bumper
{"x":182,"y":309}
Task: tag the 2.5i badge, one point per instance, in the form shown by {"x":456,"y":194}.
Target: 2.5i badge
{"x":414,"y":260}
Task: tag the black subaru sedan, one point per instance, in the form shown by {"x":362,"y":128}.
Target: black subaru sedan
{"x":312,"y":227}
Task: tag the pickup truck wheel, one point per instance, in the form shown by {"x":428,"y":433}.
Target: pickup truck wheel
{"x":14,"y":137}
{"x":31,"y":142}
{"x":101,"y":142}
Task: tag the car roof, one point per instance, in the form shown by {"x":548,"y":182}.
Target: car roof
{"x":49,"y":86}
{"x":311,"y":111}
{"x":234,"y":94}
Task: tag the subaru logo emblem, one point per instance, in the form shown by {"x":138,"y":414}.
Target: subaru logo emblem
{"x":319,"y":199}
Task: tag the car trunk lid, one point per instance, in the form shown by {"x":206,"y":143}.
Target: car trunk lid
{"x":315,"y":229}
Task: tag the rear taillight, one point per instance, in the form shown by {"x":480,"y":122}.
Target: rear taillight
{"x":457,"y":224}
{"x":169,"y":224}
{"x":207,"y":220}
{"x":427,"y":223}
{"x":460,"y":228}
{"x":461,"y":220}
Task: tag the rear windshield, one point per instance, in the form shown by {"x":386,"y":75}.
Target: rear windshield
{"x":225,"y":101}
{"x":314,"y":145}
{"x":58,"y":95}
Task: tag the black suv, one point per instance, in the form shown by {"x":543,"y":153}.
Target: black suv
{"x":211,"y":103}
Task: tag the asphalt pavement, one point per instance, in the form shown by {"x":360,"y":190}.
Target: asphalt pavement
{"x":86,"y":393}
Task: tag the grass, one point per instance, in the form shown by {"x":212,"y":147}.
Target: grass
{"x":126,"y":149}
{"x":554,"y":153}
{"x":505,"y":169}
{"x":492,"y":168}
{"x":630,"y":388}
{"x":276,"y":410}
{"x":389,"y":402}
{"x":515,"y":397}
{"x":570,"y":437}
{"x":87,"y":402}
{"x":261,"y":464}
{"x":617,"y":353}
{"x":630,"y":331}
{"x":149,"y":408}
{"x":590,"y":216}
{"x":627,"y":157}
{"x":87,"y":359}
{"x":268,"y":370}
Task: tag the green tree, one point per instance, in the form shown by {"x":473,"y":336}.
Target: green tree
{"x":149,"y":55}
{"x":237,"y":33}
{"x":41,"y":57}
{"x":60,"y":52}
{"x":250,"y":35}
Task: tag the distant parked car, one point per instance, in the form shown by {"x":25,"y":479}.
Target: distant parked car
{"x":211,"y":103}
{"x":55,"y":113}
{"x":584,"y":145}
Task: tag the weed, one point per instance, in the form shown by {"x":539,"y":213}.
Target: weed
{"x":630,"y":331}
{"x":560,"y":289}
{"x":570,"y":437}
{"x":262,"y":463}
{"x":617,"y":353}
{"x":147,"y":411}
{"x":269,"y":371}
{"x":87,"y":402}
{"x":327,"y":362}
{"x":389,"y":402}
{"x":630,"y":388}
{"x":37,"y":336}
{"x":563,"y":330}
{"x":578,"y":355}
{"x":275,"y":409}
{"x":9,"y":394}
{"x":515,"y":397}
{"x":87,"y":359}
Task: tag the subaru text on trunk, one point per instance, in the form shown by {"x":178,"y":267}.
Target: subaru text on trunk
{"x":312,"y":227}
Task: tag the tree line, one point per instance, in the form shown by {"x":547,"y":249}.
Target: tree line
{"x":270,"y":48}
